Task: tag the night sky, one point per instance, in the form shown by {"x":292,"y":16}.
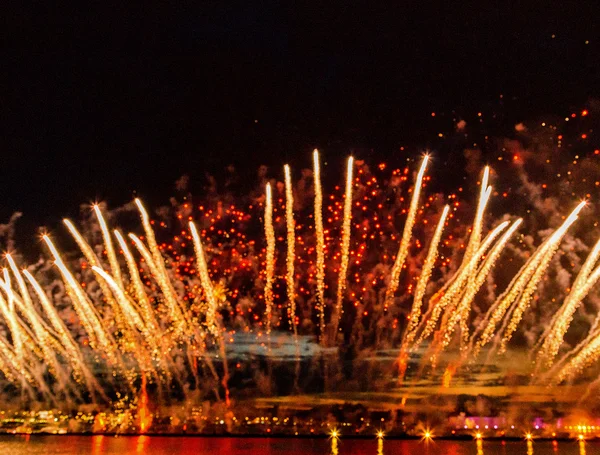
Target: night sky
{"x":103,"y":103}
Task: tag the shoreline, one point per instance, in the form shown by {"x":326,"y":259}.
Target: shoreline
{"x":316,"y":436}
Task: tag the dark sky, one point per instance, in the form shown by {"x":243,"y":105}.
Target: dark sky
{"x":100,"y":102}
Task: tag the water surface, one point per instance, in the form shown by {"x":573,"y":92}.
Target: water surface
{"x":163,"y":445}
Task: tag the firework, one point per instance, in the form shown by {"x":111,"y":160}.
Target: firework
{"x":131,"y":314}
{"x":476,"y":231}
{"x":461,"y":313}
{"x":291,"y":254}
{"x":320,"y":246}
{"x":91,"y":257}
{"x":108,"y":244}
{"x":156,"y":263}
{"x":587,"y":355}
{"x":521,"y":289}
{"x":484,"y":197}
{"x":345,"y":248}
{"x":214,"y":325}
{"x":140,"y":293}
{"x":454,"y":286}
{"x":450,"y":299}
{"x":555,"y":333}
{"x":527,"y":294}
{"x":406,"y":237}
{"x":207,"y":286}
{"x":415,"y":313}
{"x":151,"y":319}
{"x":270,"y":259}
{"x":65,"y":337}
{"x":47,"y":344}
{"x":11,"y":316}
{"x":83,"y":306}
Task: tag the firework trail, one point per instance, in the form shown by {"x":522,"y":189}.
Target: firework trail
{"x":10,"y":314}
{"x":79,"y":367}
{"x":406,"y":237}
{"x":475,"y":240}
{"x":290,"y":258}
{"x":56,"y":322}
{"x":581,"y":354}
{"x":451,"y":306}
{"x":91,"y":257}
{"x":462,"y":311}
{"x":23,"y":302}
{"x":484,"y":197}
{"x":415,"y":313}
{"x":131,"y":314}
{"x":207,"y":286}
{"x":270,"y":259}
{"x":452,"y":288}
{"x":345,"y":249}
{"x":133,"y":327}
{"x":432,"y":254}
{"x":162,"y":337}
{"x":140,"y":293}
{"x":214,"y":325}
{"x":450,"y":299}
{"x":45,"y":341}
{"x":527,"y":295}
{"x":495,"y":314}
{"x":97,"y":333}
{"x":555,"y":333}
{"x":180,"y":328}
{"x":520,"y":288}
{"x":108,"y":244}
{"x":291,"y":255}
{"x":320,"y":246}
{"x":475,"y":237}
{"x":156,"y":263}
{"x":588,"y":354}
{"x":178,"y":324}
{"x":593,"y":335}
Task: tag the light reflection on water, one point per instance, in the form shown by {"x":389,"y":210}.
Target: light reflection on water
{"x":163,"y":445}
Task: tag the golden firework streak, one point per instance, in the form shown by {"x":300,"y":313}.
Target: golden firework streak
{"x":344,"y":250}
{"x":473,"y":286}
{"x":213,"y":322}
{"x":110,"y":250}
{"x":415,"y":313}
{"x":320,"y":245}
{"x":138,"y":286}
{"x":449,"y":299}
{"x":432,"y":255}
{"x":527,"y":295}
{"x":291,"y":254}
{"x":159,"y":271}
{"x":560,"y":324}
{"x":406,"y":237}
{"x":270,"y":259}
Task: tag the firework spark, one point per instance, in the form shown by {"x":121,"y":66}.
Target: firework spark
{"x":521,"y":289}
{"x":108,"y":244}
{"x":291,"y":241}
{"x":424,"y":277}
{"x":320,"y":246}
{"x":154,"y":314}
{"x":270,"y":259}
{"x":555,"y":333}
{"x":450,"y":298}
{"x":345,"y":249}
{"x":406,"y":237}
{"x":527,"y":295}
{"x":464,"y":306}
